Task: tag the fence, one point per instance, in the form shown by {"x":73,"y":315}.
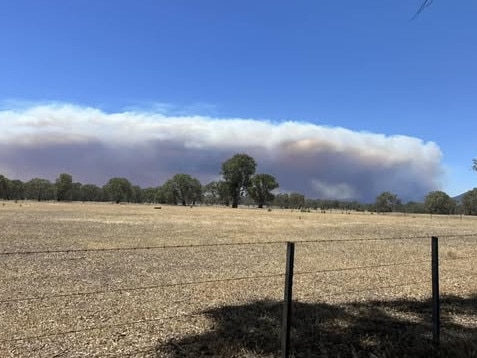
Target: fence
{"x":316,"y":259}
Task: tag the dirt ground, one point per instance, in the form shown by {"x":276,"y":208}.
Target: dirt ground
{"x":106,"y":280}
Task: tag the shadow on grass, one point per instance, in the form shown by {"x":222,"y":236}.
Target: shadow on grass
{"x":398,"y":328}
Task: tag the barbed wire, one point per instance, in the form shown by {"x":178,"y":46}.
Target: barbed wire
{"x":356,"y":268}
{"x":139,"y":288}
{"x":457,"y":259}
{"x":96,"y":328}
{"x":219,"y":244}
{"x":179,"y":284}
{"x":366,"y":290}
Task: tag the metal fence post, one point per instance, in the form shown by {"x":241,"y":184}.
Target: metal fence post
{"x":287,"y":304}
{"x":436,"y":314}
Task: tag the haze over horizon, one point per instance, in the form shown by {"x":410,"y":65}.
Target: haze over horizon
{"x":339,"y":101}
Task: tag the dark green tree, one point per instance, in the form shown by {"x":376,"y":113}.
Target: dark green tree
{"x":237,"y":173}
{"x":16,"y":190}
{"x":469,"y":202}
{"x":64,"y":186}
{"x":149,"y":195}
{"x":39,"y":189}
{"x":224,"y":193}
{"x":118,"y":189}
{"x":91,"y":192}
{"x":76,"y":192}
{"x":4,"y":188}
{"x":386,"y":202}
{"x":260,"y":189}
{"x":414,"y":207}
{"x":183,"y":189}
{"x":137,"y":194}
{"x":438,"y":202}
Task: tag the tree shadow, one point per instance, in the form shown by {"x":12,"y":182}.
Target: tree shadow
{"x":395,"y":328}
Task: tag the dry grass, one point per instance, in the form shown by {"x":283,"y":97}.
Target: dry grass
{"x":381,"y":311}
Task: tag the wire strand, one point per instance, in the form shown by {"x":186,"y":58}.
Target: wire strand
{"x":164,"y":247}
{"x":368,"y":290}
{"x":98,"y":292}
{"x":362,"y":267}
{"x":76,"y":331}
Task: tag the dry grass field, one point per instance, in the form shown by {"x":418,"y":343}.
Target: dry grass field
{"x":182,"y":285}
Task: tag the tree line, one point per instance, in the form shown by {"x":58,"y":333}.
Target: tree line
{"x":240,"y":184}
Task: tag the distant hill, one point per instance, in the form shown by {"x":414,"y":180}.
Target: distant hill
{"x":458,"y":197}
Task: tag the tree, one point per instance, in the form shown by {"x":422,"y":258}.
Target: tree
{"x":296,"y":200}
{"x":4,"y":188}
{"x":438,"y":202}
{"x":149,"y":195}
{"x":183,"y":189}
{"x":39,"y":189}
{"x":118,"y":189}
{"x":469,"y":202}
{"x":414,"y":207}
{"x":76,"y":192}
{"x":474,"y":165}
{"x":137,"y":194}
{"x":210,"y":193}
{"x":281,"y":200}
{"x":237,"y":172}
{"x":386,"y":202}
{"x":64,"y":186}
{"x":260,"y":189}
{"x":16,"y":190}
{"x":91,"y":192}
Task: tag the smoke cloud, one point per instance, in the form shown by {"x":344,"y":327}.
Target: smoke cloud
{"x":148,"y":148}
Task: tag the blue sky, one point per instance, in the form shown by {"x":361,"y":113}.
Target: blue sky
{"x":359,"y":65}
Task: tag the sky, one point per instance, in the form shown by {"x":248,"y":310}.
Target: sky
{"x":336,"y":99}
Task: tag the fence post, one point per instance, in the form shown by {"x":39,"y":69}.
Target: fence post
{"x":287,"y":304}
{"x":436,"y":319}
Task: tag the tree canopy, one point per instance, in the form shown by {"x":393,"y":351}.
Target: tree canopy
{"x":183,"y":189}
{"x":118,"y":189}
{"x":469,"y":202}
{"x":237,"y":173}
{"x":64,"y":186}
{"x":438,"y":202}
{"x":260,"y":189}
{"x":386,"y":202}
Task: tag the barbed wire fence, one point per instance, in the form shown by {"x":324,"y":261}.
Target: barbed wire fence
{"x":291,"y":280}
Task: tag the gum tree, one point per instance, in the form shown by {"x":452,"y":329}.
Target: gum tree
{"x":261,"y":188}
{"x":237,"y":173}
